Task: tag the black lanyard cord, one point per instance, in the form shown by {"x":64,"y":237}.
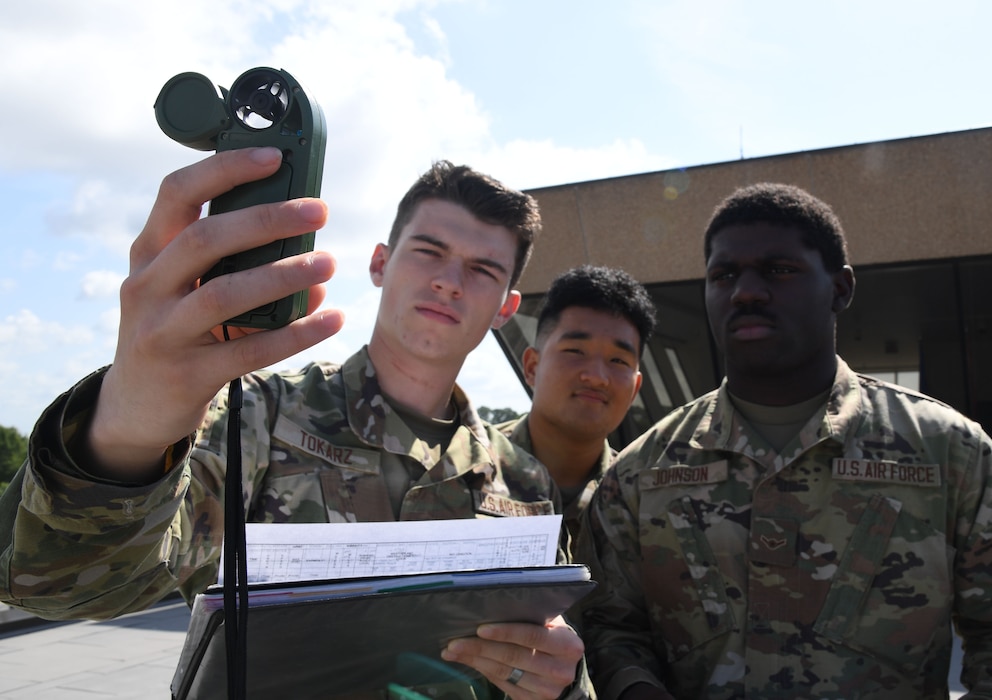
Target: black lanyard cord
{"x":235,"y":553}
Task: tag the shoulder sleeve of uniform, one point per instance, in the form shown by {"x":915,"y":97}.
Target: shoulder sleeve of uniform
{"x":973,"y":563}
{"x":56,"y":444}
{"x":614,"y":617}
{"x":65,"y":538}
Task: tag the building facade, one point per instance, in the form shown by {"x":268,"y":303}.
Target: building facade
{"x":918,"y":217}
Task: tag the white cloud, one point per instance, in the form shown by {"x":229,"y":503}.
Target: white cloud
{"x":65,"y":260}
{"x":530,"y":164}
{"x":29,"y":333}
{"x":100,"y":284}
{"x":105,"y":213}
{"x":434,"y":30}
{"x":29,"y":258}
{"x":39,"y":359}
{"x":108,"y":322}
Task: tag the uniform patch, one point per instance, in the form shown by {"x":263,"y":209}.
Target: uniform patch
{"x":926,"y":475}
{"x":340,"y":456}
{"x":684,"y":475}
{"x":773,"y":541}
{"x":494,"y":504}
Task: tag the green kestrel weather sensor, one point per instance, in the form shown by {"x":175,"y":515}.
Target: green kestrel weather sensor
{"x":264,"y":107}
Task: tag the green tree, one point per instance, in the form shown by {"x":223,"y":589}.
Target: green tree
{"x":13,"y":451}
{"x":497,"y":415}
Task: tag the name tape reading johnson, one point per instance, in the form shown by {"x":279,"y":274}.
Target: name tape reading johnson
{"x":684,"y":475}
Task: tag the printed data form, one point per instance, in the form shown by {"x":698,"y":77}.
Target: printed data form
{"x":306,"y":552}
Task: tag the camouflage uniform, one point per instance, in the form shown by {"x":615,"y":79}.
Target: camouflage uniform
{"x":831,"y":570}
{"x":518,"y":431}
{"x":313,"y":446}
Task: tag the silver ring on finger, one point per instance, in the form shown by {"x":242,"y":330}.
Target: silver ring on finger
{"x":515,"y":676}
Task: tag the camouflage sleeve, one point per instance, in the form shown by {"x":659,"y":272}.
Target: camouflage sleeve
{"x":74,"y":547}
{"x":615,"y":621}
{"x":973,"y":561}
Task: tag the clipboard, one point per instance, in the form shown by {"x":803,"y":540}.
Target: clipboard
{"x":321,"y":645}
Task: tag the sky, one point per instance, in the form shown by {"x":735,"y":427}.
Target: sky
{"x":536,"y":92}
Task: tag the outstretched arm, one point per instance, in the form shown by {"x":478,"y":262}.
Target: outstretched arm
{"x":92,"y":528}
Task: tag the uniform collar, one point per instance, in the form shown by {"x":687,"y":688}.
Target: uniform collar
{"x":375,"y":422}
{"x":722,"y":427}
{"x":518,"y":432}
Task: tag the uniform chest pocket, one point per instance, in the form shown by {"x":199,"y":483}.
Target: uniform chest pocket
{"x":291,"y":495}
{"x":687,"y":596}
{"x":321,"y":478}
{"x":892,"y":592}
